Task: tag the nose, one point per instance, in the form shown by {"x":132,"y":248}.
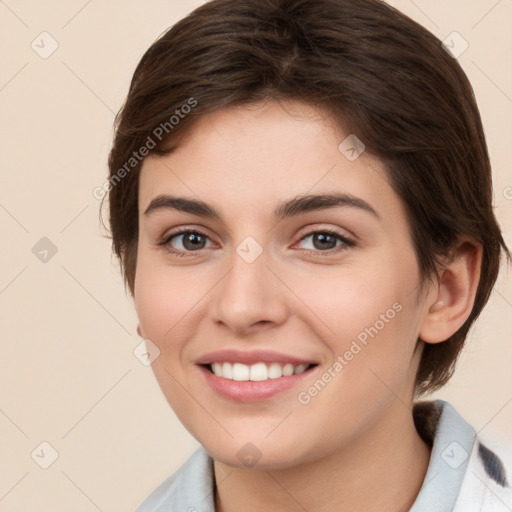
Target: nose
{"x":250,"y":296}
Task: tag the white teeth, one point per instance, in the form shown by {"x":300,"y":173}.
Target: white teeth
{"x":257,"y":371}
{"x":275,"y":371}
{"x":240,"y":371}
{"x":300,"y":368}
{"x":227,"y":370}
{"x":288,"y":369}
{"x":217,"y":369}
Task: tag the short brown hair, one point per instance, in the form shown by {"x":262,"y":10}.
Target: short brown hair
{"x":386,"y":77}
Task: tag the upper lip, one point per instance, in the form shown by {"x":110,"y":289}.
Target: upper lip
{"x":250,"y":357}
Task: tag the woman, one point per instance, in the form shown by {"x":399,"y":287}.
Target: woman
{"x":301,"y":200}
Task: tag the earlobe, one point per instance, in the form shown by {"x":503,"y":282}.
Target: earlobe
{"x":451,"y":301}
{"x":139,"y":332}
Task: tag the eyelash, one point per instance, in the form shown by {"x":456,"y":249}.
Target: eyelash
{"x":347,"y":242}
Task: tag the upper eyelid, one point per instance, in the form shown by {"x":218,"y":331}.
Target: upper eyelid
{"x":345,"y":240}
{"x":304,"y":232}
{"x":332,"y":231}
{"x":182,"y":231}
{"x":167,"y":238}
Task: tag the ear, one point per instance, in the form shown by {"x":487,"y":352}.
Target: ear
{"x":451,"y":300}
{"x":139,"y":332}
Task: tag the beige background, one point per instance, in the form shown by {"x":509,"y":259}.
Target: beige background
{"x":68,"y":375}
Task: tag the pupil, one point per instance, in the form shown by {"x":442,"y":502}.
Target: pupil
{"x":193,"y":239}
{"x":324,"y":238}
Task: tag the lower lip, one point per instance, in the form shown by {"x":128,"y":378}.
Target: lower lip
{"x":249,"y":390}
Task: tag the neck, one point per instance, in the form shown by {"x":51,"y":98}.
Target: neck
{"x":382,"y":471}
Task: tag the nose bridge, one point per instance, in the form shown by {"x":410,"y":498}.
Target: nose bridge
{"x":249,"y":293}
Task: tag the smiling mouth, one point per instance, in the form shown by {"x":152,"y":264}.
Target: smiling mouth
{"x":255,"y":372}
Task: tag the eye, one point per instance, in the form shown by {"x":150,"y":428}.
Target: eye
{"x":327,"y":241}
{"x":186,"y":240}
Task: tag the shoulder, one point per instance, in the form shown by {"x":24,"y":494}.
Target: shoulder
{"x":495,"y":456}
{"x":487,"y":486}
{"x":189,"y":489}
{"x":479,"y":465}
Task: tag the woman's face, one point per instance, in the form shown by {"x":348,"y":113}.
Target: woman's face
{"x":275,"y":283}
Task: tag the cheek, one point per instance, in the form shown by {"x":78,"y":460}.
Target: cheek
{"x":367,"y":316}
{"x":166,"y":302}
{"x":156,"y":304}
{"x":370,"y":368}
{"x":348,"y":300}
{"x":166,"y":297}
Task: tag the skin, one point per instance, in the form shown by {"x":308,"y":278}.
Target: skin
{"x":296,"y":298}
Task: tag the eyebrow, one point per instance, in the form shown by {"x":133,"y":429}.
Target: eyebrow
{"x":295,"y":206}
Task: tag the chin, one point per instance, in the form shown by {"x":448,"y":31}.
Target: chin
{"x":262,"y":454}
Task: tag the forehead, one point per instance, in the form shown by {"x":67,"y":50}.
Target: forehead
{"x":253,"y":157}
